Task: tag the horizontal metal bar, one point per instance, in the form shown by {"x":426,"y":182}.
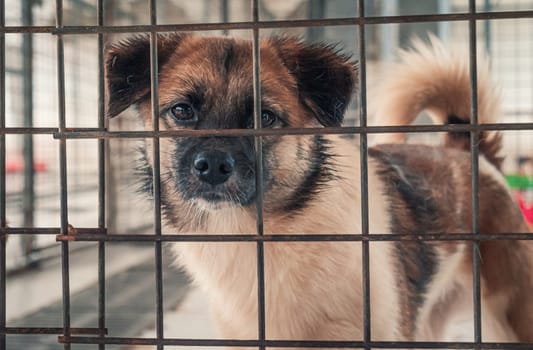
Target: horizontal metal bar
{"x":447,"y":17}
{"x":27,"y":131}
{"x":84,"y":134}
{"x":38,"y":130}
{"x":90,"y":237}
{"x":52,"y":330}
{"x":49,"y":230}
{"x":89,"y":133}
{"x":290,"y":343}
{"x":28,"y":29}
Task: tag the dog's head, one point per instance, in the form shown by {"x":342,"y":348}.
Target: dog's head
{"x":206,"y":83}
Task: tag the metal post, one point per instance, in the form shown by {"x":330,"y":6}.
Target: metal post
{"x":390,"y":35}
{"x":445,"y":6}
{"x":28,"y":195}
{"x":317,"y":9}
{"x":112,"y":171}
{"x":363,"y":141}
{"x":65,"y":270}
{"x":154,"y":86}
{"x":3,"y":238}
{"x":474,"y":160}
{"x":103,"y":147}
{"x":224,"y":14}
{"x":487,"y":7}
{"x":258,"y":147}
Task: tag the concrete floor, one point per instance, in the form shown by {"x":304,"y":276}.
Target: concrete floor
{"x":34,"y":298}
{"x":190,"y":320}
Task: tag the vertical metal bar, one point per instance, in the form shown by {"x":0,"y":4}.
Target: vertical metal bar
{"x":224,"y":14}
{"x":445,"y":6}
{"x":474,"y":152}
{"x":102,"y":145}
{"x":111,"y":183}
{"x":156,"y":176}
{"x":364,"y":179}
{"x":3,"y":222}
{"x":317,"y":9}
{"x":390,"y":35}
{"x":487,"y":7}
{"x":28,"y":198}
{"x":258,"y":143}
{"x":63,"y":173}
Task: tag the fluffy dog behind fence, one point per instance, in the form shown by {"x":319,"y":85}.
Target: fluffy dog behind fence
{"x":419,"y":290}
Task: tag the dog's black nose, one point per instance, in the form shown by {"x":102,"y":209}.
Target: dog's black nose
{"x":213,"y":167}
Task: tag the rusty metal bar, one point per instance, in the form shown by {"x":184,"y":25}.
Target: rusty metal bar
{"x":25,"y":131}
{"x":224,"y":14}
{"x":316,"y":9}
{"x":3,"y":221}
{"x":487,"y":27}
{"x":448,"y":17}
{"x":52,"y":330}
{"x":363,"y":149}
{"x":2,"y":119}
{"x":102,"y":147}
{"x":290,"y":343}
{"x":48,"y":230}
{"x":28,"y":198}
{"x":63,"y":174}
{"x":89,"y":134}
{"x":257,"y":118}
{"x":258,"y":145}
{"x":474,"y":163}
{"x":372,"y":237}
{"x":154,"y":87}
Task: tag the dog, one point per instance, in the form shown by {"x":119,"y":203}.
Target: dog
{"x":419,"y":290}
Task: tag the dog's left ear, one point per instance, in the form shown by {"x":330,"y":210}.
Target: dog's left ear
{"x":326,"y":78}
{"x":127,"y":69}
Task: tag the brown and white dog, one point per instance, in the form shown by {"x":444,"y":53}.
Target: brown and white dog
{"x":313,"y":290}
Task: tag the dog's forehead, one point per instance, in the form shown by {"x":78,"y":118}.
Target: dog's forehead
{"x":220,"y":64}
{"x":223,"y":53}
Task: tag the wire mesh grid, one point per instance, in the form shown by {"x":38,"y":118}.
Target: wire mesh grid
{"x":69,"y":335}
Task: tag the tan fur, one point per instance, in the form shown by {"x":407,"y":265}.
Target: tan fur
{"x":300,"y":277}
{"x":435,"y":79}
{"x":313,"y":290}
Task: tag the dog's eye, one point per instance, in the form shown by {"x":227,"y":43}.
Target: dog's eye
{"x":268,"y":118}
{"x":183,"y":112}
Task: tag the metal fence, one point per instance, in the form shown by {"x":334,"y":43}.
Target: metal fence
{"x":68,"y":236}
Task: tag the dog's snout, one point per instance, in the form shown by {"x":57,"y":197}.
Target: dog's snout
{"x":213,"y":167}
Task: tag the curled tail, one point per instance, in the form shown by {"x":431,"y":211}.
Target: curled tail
{"x":431,"y":78}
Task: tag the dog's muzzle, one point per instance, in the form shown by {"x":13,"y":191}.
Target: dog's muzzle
{"x":215,"y":170}
{"x":213,"y":167}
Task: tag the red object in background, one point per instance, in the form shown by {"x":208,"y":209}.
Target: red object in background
{"x":526,"y":210}
{"x":14,"y":167}
{"x":39,"y":167}
{"x":17,"y":166}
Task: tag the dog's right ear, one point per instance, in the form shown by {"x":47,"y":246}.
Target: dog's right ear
{"x":325,"y":76}
{"x":127,"y":69}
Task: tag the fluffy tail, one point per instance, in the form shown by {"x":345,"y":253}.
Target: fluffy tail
{"x":431,"y":78}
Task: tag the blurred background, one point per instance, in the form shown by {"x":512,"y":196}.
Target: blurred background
{"x":34,"y":277}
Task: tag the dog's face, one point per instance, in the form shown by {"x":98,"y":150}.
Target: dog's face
{"x":206,"y":83}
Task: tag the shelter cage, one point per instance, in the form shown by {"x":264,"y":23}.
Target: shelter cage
{"x":63,"y":165}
